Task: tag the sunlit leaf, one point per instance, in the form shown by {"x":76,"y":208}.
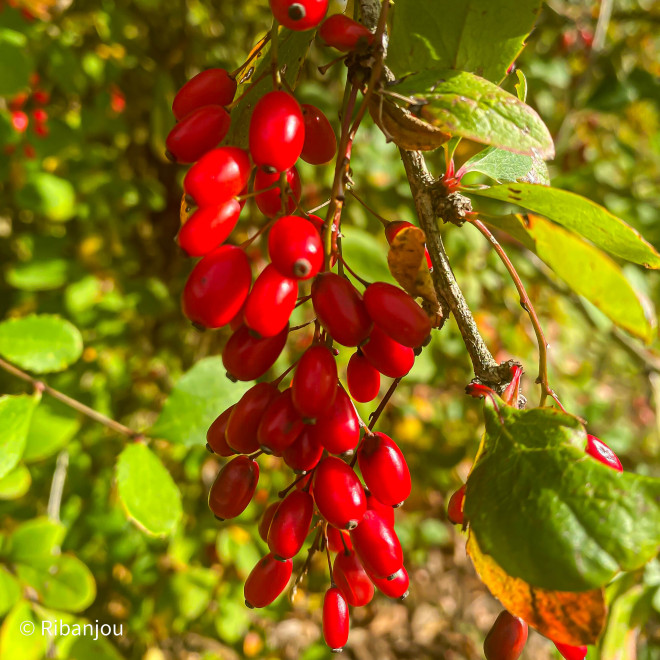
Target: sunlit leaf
{"x":15,"y":415}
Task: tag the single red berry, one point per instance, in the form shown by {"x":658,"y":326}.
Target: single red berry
{"x":242,"y":426}
{"x":280,"y":425}
{"x":208,"y":227}
{"x":270,"y":303}
{"x":455,"y":506}
{"x":352,"y":580}
{"x":267,"y":580}
{"x":384,"y":469}
{"x":210,"y":87}
{"x":320,"y":142}
{"x":237,"y":321}
{"x":216,"y":436}
{"x":277,"y":131}
{"x":314,"y":385}
{"x":19,"y":121}
{"x":601,"y":452}
{"x":343,"y":33}
{"x":18,"y":101}
{"x":338,"y":493}
{"x":394,"y":227}
{"x":41,"y":130}
{"x":40,"y":115}
{"x":362,"y":378}
{"x":218,"y":176}
{"x":291,"y":524}
{"x":338,"y":430}
{"x":339,"y":540}
{"x":506,"y":639}
{"x":571,"y":652}
{"x":270,"y":201}
{"x":385,"y":511}
{"x":299,"y":15}
{"x":397,"y":587}
{"x":234,"y":487}
{"x":304,"y":453}
{"x":295,"y":247}
{"x":335,"y":619}
{"x":340,"y":309}
{"x":390,"y":357}
{"x":41,"y":97}
{"x":266,"y":519}
{"x":247,"y":357}
{"x":197,"y":133}
{"x":217,"y":287}
{"x":377,"y":545}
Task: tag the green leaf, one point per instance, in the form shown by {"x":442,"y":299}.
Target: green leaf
{"x":40,"y":343}
{"x":587,"y":270}
{"x":521,"y":86}
{"x":18,"y":642}
{"x":506,"y":166}
{"x":53,"y":426}
{"x":192,"y":590}
{"x":39,"y":274}
{"x":199,"y":396}
{"x":10,"y":591}
{"x":147,"y":490}
{"x":620,"y":636}
{"x":16,"y":64}
{"x":468,"y":106}
{"x":88,"y":648}
{"x":359,"y":248}
{"x":15,"y":415}
{"x":480,"y":36}
{"x":49,"y":195}
{"x":15,"y":484}
{"x":581,"y":215}
{"x":550,"y":514}
{"x":35,"y":541}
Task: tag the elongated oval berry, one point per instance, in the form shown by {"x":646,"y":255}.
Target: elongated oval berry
{"x":299,"y":15}
{"x":320,"y":144}
{"x":218,"y":176}
{"x":362,"y":378}
{"x":395,"y":312}
{"x":338,"y":430}
{"x":397,"y":587}
{"x":390,"y":357}
{"x":267,"y":580}
{"x":335,"y":619}
{"x":601,"y":452}
{"x":270,"y":201}
{"x":270,"y":303}
{"x":385,"y":511}
{"x":267,"y":519}
{"x":352,"y":580}
{"x":506,"y":639}
{"x":377,"y":545}
{"x":210,"y":87}
{"x":384,"y":469}
{"x":571,"y":652}
{"x":277,"y":131}
{"x":202,"y":130}
{"x":295,"y":248}
{"x":216,"y":438}
{"x":338,"y":493}
{"x":246,"y":357}
{"x":314,"y":386}
{"x":335,"y":542}
{"x":234,"y":487}
{"x":455,"y":506}
{"x":304,"y":453}
{"x":280,"y":425}
{"x":217,"y":287}
{"x":340,"y":309}
{"x":343,"y":33}
{"x":208,"y":227}
{"x":243,"y":423}
{"x":291,"y":524}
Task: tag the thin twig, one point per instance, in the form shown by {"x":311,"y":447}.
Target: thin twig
{"x":373,"y":417}
{"x":57,"y":486}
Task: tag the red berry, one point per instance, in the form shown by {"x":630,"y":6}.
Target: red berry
{"x":340,"y":309}
{"x":247,"y":357}
{"x":41,"y":97}
{"x":363,"y":379}
{"x":217,"y":287}
{"x":290,"y":524}
{"x":266,"y":519}
{"x":270,"y":202}
{"x":277,"y":132}
{"x":267,"y":581}
{"x":455,"y":506}
{"x":352,"y":580}
{"x":335,"y":543}
{"x":295,"y":247}
{"x":199,"y":132}
{"x":41,"y":130}
{"x":270,"y":303}
{"x":299,"y":15}
{"x":384,"y":469}
{"x":216,"y":436}
{"x":343,"y":33}
{"x":571,"y":652}
{"x":40,"y":115}
{"x":20,"y":121}
{"x":601,"y":452}
{"x":320,"y":142}
{"x":18,"y":101}
{"x":388,"y":356}
{"x":377,"y":545}
{"x":304,"y":453}
{"x":208,"y":227}
{"x":338,"y":493}
{"x":234,"y":487}
{"x":335,"y":619}
{"x":397,"y":587}
{"x":210,"y":87}
{"x":385,"y":511}
{"x":339,"y":429}
{"x":280,"y":425}
{"x":314,"y":385}
{"x":218,"y":176}
{"x":506,"y":639}
{"x":242,"y":426}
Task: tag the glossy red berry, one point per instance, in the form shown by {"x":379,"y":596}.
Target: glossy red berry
{"x":247,"y":357}
{"x":270,"y":303}
{"x":270,"y":201}
{"x":385,"y":511}
{"x":314,"y":385}
{"x":571,"y":652}
{"x":197,"y":133}
{"x":338,"y":493}
{"x":601,"y":452}
{"x":277,"y":131}
{"x":217,"y":287}
{"x":208,"y":227}
{"x":243,"y":423}
{"x":295,"y":248}
{"x":455,"y":506}
{"x":216,"y":438}
{"x":218,"y":176}
{"x":320,"y":142}
{"x":506,"y":639}
{"x":340,"y":309}
{"x":280,"y":425}
{"x":390,"y":357}
{"x":343,"y":33}
{"x":335,"y":619}
{"x":267,"y":580}
{"x":19,"y":121}
{"x":299,"y":15}
{"x":384,"y":469}
{"x":338,"y":430}
{"x":234,"y":487}
{"x":352,"y":580}
{"x":304,"y":453}
{"x":335,"y":542}
{"x":266,"y":519}
{"x":397,"y":587}
{"x":377,"y":545}
{"x":362,"y":378}
{"x":210,"y":87}
{"x":290,"y":524}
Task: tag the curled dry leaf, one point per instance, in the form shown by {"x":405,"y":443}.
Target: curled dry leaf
{"x":185,"y":211}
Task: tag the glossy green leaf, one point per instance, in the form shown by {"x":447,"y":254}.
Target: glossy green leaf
{"x":39,"y":274}
{"x":581,"y":215}
{"x":35,"y":541}
{"x":550,"y":514}
{"x":199,"y":396}
{"x":507,"y":167}
{"x":475,"y":35}
{"x":53,"y":426}
{"x":20,"y":635}
{"x":15,"y":415}
{"x":16,"y":483}
{"x":465,"y":105}
{"x":586,"y":269}
{"x":10,"y":591}
{"x":147,"y":490}
{"x":40,"y":343}
{"x":16,"y":64}
{"x":49,"y":195}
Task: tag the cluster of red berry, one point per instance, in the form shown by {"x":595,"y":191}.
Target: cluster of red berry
{"x":27,"y":108}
